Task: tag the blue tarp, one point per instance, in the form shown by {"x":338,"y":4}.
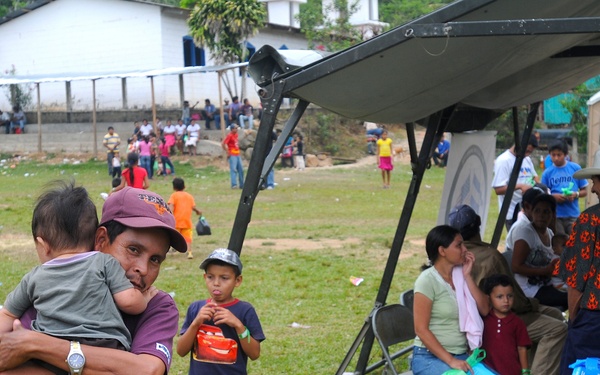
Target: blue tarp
{"x":554,"y":112}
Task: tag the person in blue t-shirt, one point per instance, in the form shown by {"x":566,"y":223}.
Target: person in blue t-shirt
{"x":563,"y":187}
{"x":440,"y":154}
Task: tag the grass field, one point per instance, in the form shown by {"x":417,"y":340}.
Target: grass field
{"x":306,"y":238}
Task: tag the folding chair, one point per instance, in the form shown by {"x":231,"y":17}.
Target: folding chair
{"x":407,"y":298}
{"x":393,"y":324}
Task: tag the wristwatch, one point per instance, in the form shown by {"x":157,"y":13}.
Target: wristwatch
{"x":75,"y":359}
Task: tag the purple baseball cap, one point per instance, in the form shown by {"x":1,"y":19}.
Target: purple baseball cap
{"x":138,"y":208}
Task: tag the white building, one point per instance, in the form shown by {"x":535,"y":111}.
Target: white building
{"x":61,"y":37}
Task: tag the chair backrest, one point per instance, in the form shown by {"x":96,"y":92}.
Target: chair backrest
{"x":407,"y":299}
{"x":393,"y":324}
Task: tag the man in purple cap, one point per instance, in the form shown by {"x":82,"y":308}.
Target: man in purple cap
{"x":138,"y":229}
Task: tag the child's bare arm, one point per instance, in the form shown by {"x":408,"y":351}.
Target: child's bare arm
{"x":133,"y":301}
{"x":523,"y":357}
{"x":6,"y":320}
{"x":197,"y":211}
{"x":186,"y":341}
{"x":250,"y":346}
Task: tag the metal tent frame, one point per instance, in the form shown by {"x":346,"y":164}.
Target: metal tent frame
{"x":469,"y":94}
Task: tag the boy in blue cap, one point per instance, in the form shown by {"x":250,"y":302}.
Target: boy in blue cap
{"x":237,"y":319}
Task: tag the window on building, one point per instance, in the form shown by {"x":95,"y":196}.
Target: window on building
{"x":251,"y":49}
{"x":192,"y":55}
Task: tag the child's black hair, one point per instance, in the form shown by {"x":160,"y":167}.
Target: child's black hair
{"x":132,"y":161}
{"x":559,"y":145}
{"x":65,"y":217}
{"x":116,"y":182}
{"x":178,"y":184}
{"x":489,"y":283}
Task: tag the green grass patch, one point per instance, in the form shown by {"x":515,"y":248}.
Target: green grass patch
{"x":306,"y":238}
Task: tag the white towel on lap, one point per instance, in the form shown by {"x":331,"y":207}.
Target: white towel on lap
{"x":469,"y":319}
{"x":191,"y":141}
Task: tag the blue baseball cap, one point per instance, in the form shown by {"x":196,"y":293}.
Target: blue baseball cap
{"x":224,"y":255}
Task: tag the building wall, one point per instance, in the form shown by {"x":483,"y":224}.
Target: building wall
{"x":283,"y":13}
{"x":92,"y":36}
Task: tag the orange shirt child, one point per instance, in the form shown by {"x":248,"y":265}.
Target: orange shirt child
{"x":182,"y":204}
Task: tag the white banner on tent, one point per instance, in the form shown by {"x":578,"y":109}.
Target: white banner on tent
{"x":469,"y":174}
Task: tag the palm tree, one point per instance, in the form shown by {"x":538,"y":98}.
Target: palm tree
{"x":224,"y":26}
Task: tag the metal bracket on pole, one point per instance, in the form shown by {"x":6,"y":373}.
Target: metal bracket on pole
{"x":289,"y":127}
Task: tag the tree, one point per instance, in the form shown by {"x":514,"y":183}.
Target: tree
{"x":18,"y":95}
{"x":7,"y":6}
{"x":398,"y":12}
{"x":576,"y":105}
{"x":224,"y":26}
{"x":325,"y":33}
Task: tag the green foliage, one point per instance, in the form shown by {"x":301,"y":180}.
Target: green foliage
{"x":503,"y":125}
{"x":398,"y":12}
{"x":326,"y":133}
{"x":18,"y":95}
{"x":332,"y":35}
{"x":7,"y":6}
{"x":223,"y":25}
{"x":576,"y":105}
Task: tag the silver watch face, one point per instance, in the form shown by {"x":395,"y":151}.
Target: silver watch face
{"x":76,"y":360}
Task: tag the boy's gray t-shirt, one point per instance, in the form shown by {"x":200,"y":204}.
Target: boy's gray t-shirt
{"x":73,"y":297}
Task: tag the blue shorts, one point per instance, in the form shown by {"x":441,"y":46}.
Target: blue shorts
{"x":582,"y":339}
{"x":425,"y":363}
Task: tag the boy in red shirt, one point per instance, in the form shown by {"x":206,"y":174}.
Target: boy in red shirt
{"x":230,"y":144}
{"x":505,"y":337}
{"x":182,"y":204}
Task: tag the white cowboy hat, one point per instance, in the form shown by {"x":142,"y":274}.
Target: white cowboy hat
{"x":591,"y":171}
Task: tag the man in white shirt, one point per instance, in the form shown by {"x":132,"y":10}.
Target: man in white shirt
{"x":527,"y":177}
{"x":5,"y":121}
{"x":193,"y":132}
{"x":180,"y":132}
{"x":146,"y":128}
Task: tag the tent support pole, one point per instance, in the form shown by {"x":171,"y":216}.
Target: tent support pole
{"x":154,"y":124}
{"x":287,"y":130}
{"x":94,"y":118}
{"x":221,"y":110}
{"x":39,"y":117}
{"x":271,"y":98}
{"x":435,"y":126}
{"x":512,"y":182}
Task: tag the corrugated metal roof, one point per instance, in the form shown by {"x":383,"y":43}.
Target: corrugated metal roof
{"x":79,"y":76}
